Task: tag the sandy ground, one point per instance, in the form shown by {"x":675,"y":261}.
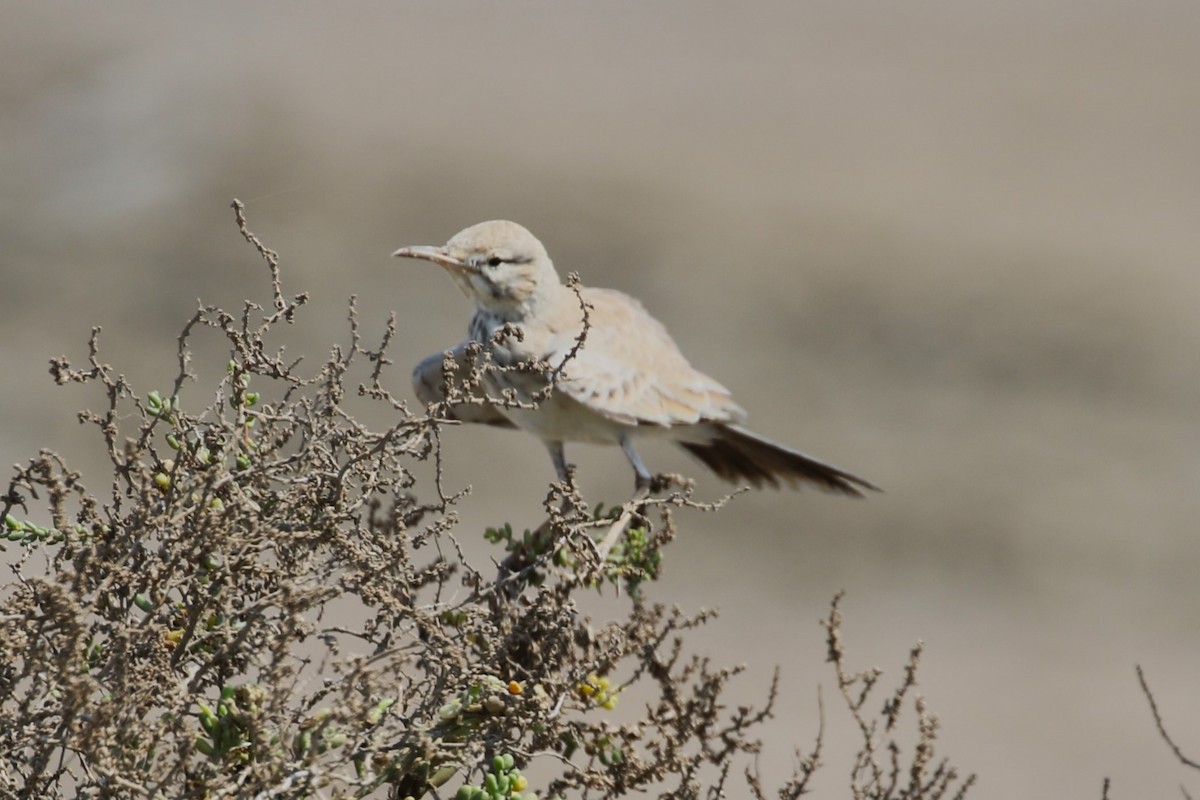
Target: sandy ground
{"x":949,"y":245}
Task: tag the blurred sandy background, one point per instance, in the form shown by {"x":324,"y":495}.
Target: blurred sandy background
{"x":949,"y":245}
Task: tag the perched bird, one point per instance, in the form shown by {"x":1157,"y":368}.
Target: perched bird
{"x":618,"y":379}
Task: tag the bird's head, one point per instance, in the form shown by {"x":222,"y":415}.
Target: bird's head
{"x":498,"y":264}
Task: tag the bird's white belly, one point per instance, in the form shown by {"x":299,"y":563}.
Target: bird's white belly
{"x":555,"y":418}
{"x":559,"y":418}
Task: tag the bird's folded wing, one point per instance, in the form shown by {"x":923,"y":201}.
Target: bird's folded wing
{"x":629,"y":370}
{"x":429,"y":382}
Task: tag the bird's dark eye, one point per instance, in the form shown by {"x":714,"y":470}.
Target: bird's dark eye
{"x":495,"y":261}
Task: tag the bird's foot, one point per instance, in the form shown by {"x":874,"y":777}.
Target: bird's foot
{"x":658,"y":484}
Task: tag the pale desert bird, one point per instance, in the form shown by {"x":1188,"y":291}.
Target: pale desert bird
{"x":626,"y":381}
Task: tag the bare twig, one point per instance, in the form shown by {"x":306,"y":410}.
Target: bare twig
{"x":1158,"y":721}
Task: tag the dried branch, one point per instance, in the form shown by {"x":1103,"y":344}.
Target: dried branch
{"x":1158,"y":721}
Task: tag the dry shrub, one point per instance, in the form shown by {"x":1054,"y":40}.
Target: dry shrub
{"x":260,"y":605}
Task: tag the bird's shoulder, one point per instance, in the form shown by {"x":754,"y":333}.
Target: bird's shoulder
{"x":619,"y":320}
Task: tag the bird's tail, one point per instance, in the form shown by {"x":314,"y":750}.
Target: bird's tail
{"x":735,"y":455}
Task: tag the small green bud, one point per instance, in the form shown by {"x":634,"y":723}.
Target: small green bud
{"x":173,"y":441}
{"x":208,"y":720}
{"x":508,"y":761}
{"x":143,"y":602}
{"x":379,"y":710}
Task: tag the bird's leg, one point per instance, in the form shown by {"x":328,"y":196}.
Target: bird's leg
{"x":563,"y":471}
{"x":644,"y":478}
{"x":560,"y":461}
{"x":521,"y":557}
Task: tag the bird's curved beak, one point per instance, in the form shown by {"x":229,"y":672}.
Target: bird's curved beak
{"x":437,"y":255}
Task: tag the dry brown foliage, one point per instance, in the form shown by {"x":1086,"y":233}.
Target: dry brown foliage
{"x":261,"y":605}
